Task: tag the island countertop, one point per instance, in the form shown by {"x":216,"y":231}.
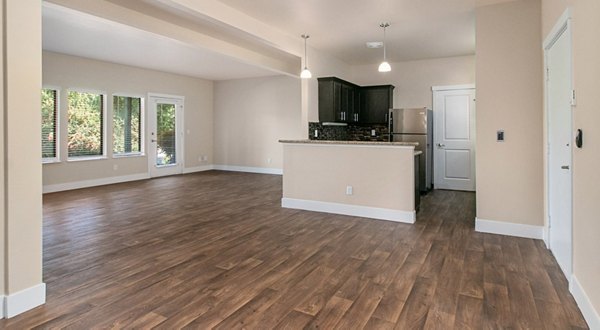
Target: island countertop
{"x":373,"y":143}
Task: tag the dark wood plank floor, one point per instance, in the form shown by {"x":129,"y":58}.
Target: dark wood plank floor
{"x":216,"y":250}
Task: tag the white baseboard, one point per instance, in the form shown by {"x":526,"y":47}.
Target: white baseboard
{"x":197,"y":169}
{"x":585,"y":305}
{"x":142,"y":176}
{"x":95,"y":182}
{"x":261,"y":170}
{"x":509,"y":228}
{"x":346,"y":209}
{"x":24,"y":300}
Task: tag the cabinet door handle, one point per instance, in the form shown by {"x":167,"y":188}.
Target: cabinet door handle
{"x":386,"y":117}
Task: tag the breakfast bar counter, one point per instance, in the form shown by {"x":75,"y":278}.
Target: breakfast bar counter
{"x":361,"y":178}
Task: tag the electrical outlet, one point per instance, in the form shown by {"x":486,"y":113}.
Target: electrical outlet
{"x":115,"y":167}
{"x":316,"y":133}
{"x":203,"y":158}
{"x":269,"y":160}
{"x":349,"y":190}
{"x":373,"y":133}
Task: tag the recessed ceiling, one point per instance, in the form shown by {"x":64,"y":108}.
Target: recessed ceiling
{"x":71,"y":32}
{"x":418,"y":29}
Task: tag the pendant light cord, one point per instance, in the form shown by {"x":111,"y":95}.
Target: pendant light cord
{"x":384,"y":43}
{"x":305,"y":36}
{"x":384,"y":26}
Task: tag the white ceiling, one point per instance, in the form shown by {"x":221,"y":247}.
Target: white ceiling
{"x":419,"y":28}
{"x":75,"y":33}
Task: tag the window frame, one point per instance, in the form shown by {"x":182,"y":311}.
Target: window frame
{"x":142,"y":151}
{"x":103,"y":131}
{"x":57,"y":126}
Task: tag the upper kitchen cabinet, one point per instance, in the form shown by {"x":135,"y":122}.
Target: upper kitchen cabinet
{"x":376,"y":103}
{"x":338,"y":101}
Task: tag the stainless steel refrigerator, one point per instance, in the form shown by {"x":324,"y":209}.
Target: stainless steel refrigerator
{"x":415,"y":125}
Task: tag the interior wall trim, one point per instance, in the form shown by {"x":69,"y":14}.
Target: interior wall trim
{"x":195,"y":169}
{"x":585,"y":305}
{"x":23,"y":300}
{"x":261,"y":170}
{"x":143,"y":176}
{"x":509,"y":228}
{"x":346,"y":209}
{"x":94,"y":182}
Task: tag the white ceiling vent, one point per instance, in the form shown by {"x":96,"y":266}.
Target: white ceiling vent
{"x":374,"y":44}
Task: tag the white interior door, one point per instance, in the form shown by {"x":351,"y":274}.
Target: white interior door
{"x":454,"y":139}
{"x":559,"y":98}
{"x":165,"y":135}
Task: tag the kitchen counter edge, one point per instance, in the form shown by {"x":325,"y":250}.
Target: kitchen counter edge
{"x":367,"y":143}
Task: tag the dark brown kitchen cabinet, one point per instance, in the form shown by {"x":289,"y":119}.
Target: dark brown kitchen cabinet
{"x":345,"y":102}
{"x":377,"y":101}
{"x":337,"y":100}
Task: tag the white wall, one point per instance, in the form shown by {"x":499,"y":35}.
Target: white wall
{"x":66,"y":72}
{"x":251,"y":115}
{"x":413,"y":79}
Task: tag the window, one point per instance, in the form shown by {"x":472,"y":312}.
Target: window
{"x":127,"y":125}
{"x":86,"y":124}
{"x":49,"y":120}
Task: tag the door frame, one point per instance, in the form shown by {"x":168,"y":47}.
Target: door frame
{"x":434,"y":157}
{"x":562,"y":26}
{"x":180,"y":142}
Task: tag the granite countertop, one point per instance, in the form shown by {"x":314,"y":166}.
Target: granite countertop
{"x":373,"y":143}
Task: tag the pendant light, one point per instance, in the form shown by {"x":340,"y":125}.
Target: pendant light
{"x":305,"y":74}
{"x":384,"y":66}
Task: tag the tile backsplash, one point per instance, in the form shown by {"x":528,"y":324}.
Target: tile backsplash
{"x":347,"y":133}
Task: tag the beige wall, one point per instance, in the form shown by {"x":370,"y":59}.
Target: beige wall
{"x":66,"y":72}
{"x":22,"y":174}
{"x":586,"y":115}
{"x":413,"y":79}
{"x":318,"y":172}
{"x":509,"y":97}
{"x":251,"y":115}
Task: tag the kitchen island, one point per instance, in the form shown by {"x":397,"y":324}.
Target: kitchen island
{"x":360,"y":178}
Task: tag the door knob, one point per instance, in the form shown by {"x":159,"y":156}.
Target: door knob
{"x":439,"y":145}
{"x":565,"y":167}
{"x":152,"y":140}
